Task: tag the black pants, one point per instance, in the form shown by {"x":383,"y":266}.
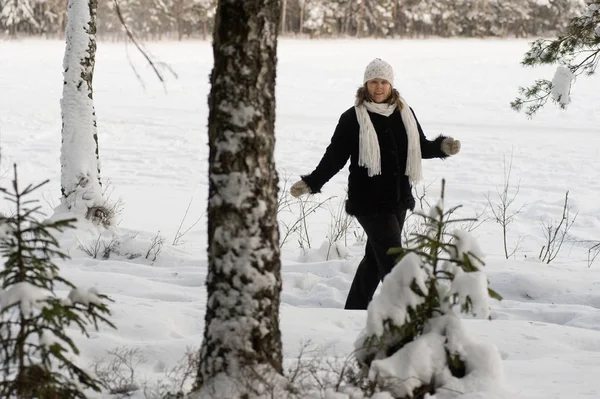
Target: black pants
{"x":384,"y":231}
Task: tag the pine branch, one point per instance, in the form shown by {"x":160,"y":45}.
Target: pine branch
{"x":580,"y":40}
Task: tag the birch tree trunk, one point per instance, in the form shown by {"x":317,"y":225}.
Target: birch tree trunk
{"x":242,"y":340}
{"x":80,"y":166}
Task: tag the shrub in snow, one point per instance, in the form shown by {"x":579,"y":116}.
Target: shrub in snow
{"x":414,"y":343}
{"x":36,"y":353}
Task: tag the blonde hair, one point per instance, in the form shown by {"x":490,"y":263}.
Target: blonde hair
{"x":362,"y":95}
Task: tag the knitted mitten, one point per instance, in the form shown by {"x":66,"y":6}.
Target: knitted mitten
{"x":299,"y":188}
{"x":450,"y":146}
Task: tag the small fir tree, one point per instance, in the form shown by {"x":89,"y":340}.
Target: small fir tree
{"x":414,"y":343}
{"x":36,"y":353}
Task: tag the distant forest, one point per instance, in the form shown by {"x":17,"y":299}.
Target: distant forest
{"x":182,"y":19}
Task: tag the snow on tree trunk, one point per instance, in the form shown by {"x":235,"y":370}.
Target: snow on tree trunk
{"x":242,"y":317}
{"x":80,"y":167}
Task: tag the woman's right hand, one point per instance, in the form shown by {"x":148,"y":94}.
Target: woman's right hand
{"x":299,"y":188}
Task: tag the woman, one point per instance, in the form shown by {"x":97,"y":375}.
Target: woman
{"x":385,"y":144}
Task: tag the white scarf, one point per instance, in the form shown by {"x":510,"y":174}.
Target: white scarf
{"x":368,"y":152}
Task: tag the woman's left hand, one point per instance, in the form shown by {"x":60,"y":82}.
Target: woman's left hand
{"x":299,"y":188}
{"x":450,"y":146}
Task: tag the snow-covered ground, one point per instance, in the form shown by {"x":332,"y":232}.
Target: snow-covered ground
{"x":153,"y":149}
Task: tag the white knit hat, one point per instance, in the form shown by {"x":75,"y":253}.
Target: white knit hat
{"x":379,"y":69}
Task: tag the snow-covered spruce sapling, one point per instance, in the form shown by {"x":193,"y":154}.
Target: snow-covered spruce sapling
{"x":36,"y":353}
{"x":413,"y":343}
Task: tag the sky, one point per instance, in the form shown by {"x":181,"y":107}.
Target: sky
{"x":153,"y":152}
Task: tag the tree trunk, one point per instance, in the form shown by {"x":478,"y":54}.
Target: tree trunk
{"x":361,"y":20}
{"x":178,"y":15}
{"x":302,"y":4}
{"x":204,"y":28}
{"x":61,"y":11}
{"x":12,"y":28}
{"x":283,"y":12}
{"x":242,"y":335}
{"x":60,"y":23}
{"x":80,"y":167}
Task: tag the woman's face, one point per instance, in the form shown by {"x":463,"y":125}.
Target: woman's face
{"x":379,"y":89}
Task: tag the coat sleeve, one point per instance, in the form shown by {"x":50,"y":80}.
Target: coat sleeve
{"x":335,"y":157}
{"x":430,"y":148}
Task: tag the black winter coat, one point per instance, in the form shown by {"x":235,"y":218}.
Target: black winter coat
{"x":386,"y":192}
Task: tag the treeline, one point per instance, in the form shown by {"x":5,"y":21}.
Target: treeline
{"x":424,"y":18}
{"x":179,"y":19}
{"x":148,"y":19}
